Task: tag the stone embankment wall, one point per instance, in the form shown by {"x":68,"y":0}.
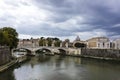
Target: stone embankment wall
{"x":101,"y":53}
{"x":5,"y":55}
{"x":74,"y":51}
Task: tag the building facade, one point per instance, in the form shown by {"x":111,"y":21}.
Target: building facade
{"x":28,"y":43}
{"x":116,"y":44}
{"x":99,"y":42}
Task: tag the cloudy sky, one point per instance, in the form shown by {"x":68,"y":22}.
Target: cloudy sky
{"x":62,"y":18}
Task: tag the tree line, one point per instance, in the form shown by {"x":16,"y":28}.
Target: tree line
{"x":43,"y":41}
{"x":8,"y":37}
{"x":56,"y":41}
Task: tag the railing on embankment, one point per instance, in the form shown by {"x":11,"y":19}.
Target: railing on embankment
{"x":13,"y":62}
{"x":7,"y":65}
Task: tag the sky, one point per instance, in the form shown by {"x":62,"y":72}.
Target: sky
{"x":62,"y":18}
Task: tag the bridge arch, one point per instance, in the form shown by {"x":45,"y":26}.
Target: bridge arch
{"x":43,"y":50}
{"x":28,"y":51}
{"x":22,"y":49}
{"x":62,"y":51}
{"x":79,"y":44}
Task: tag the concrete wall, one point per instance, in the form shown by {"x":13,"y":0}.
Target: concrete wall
{"x":5,"y":55}
{"x":101,"y":53}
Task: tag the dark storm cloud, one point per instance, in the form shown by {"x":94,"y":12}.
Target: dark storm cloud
{"x":43,"y":30}
{"x":69,"y":17}
{"x":100,"y":14}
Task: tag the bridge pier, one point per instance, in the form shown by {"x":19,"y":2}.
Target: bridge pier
{"x":52,"y":51}
{"x":78,"y":51}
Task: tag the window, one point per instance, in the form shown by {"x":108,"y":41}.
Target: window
{"x":117,"y":45}
{"x":108,"y":45}
{"x":98,"y":45}
{"x":103,"y":44}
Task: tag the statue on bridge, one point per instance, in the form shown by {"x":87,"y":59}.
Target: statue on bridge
{"x":53,"y":43}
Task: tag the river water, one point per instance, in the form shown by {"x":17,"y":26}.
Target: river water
{"x":63,"y":68}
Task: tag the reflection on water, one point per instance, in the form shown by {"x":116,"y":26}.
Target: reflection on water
{"x":63,"y":68}
{"x":19,"y":54}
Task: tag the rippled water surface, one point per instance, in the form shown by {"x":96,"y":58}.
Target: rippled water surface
{"x":63,"y":68}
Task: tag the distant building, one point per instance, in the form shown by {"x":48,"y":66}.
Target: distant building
{"x":98,"y":42}
{"x":35,"y":42}
{"x":28,"y":43}
{"x":77,"y":38}
{"x":79,"y":43}
{"x":24,"y":43}
{"x":116,"y":44}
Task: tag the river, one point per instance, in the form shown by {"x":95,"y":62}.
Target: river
{"x":63,"y":68}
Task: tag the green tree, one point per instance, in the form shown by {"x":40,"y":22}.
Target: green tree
{"x":42,"y":41}
{"x":57,"y":43}
{"x":8,"y":37}
{"x":49,"y":40}
{"x":1,"y":37}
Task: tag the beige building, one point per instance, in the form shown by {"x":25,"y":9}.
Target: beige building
{"x":28,"y":43}
{"x":98,"y":42}
{"x":116,"y":44}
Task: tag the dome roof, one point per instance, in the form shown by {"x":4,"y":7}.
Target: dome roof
{"x":77,"y":38}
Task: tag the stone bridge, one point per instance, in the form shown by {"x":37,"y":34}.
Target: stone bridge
{"x":52,"y":50}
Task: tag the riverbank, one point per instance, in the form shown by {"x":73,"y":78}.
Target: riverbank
{"x":103,"y":54}
{"x":7,"y":65}
{"x":100,"y":58}
{"x":13,"y":62}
